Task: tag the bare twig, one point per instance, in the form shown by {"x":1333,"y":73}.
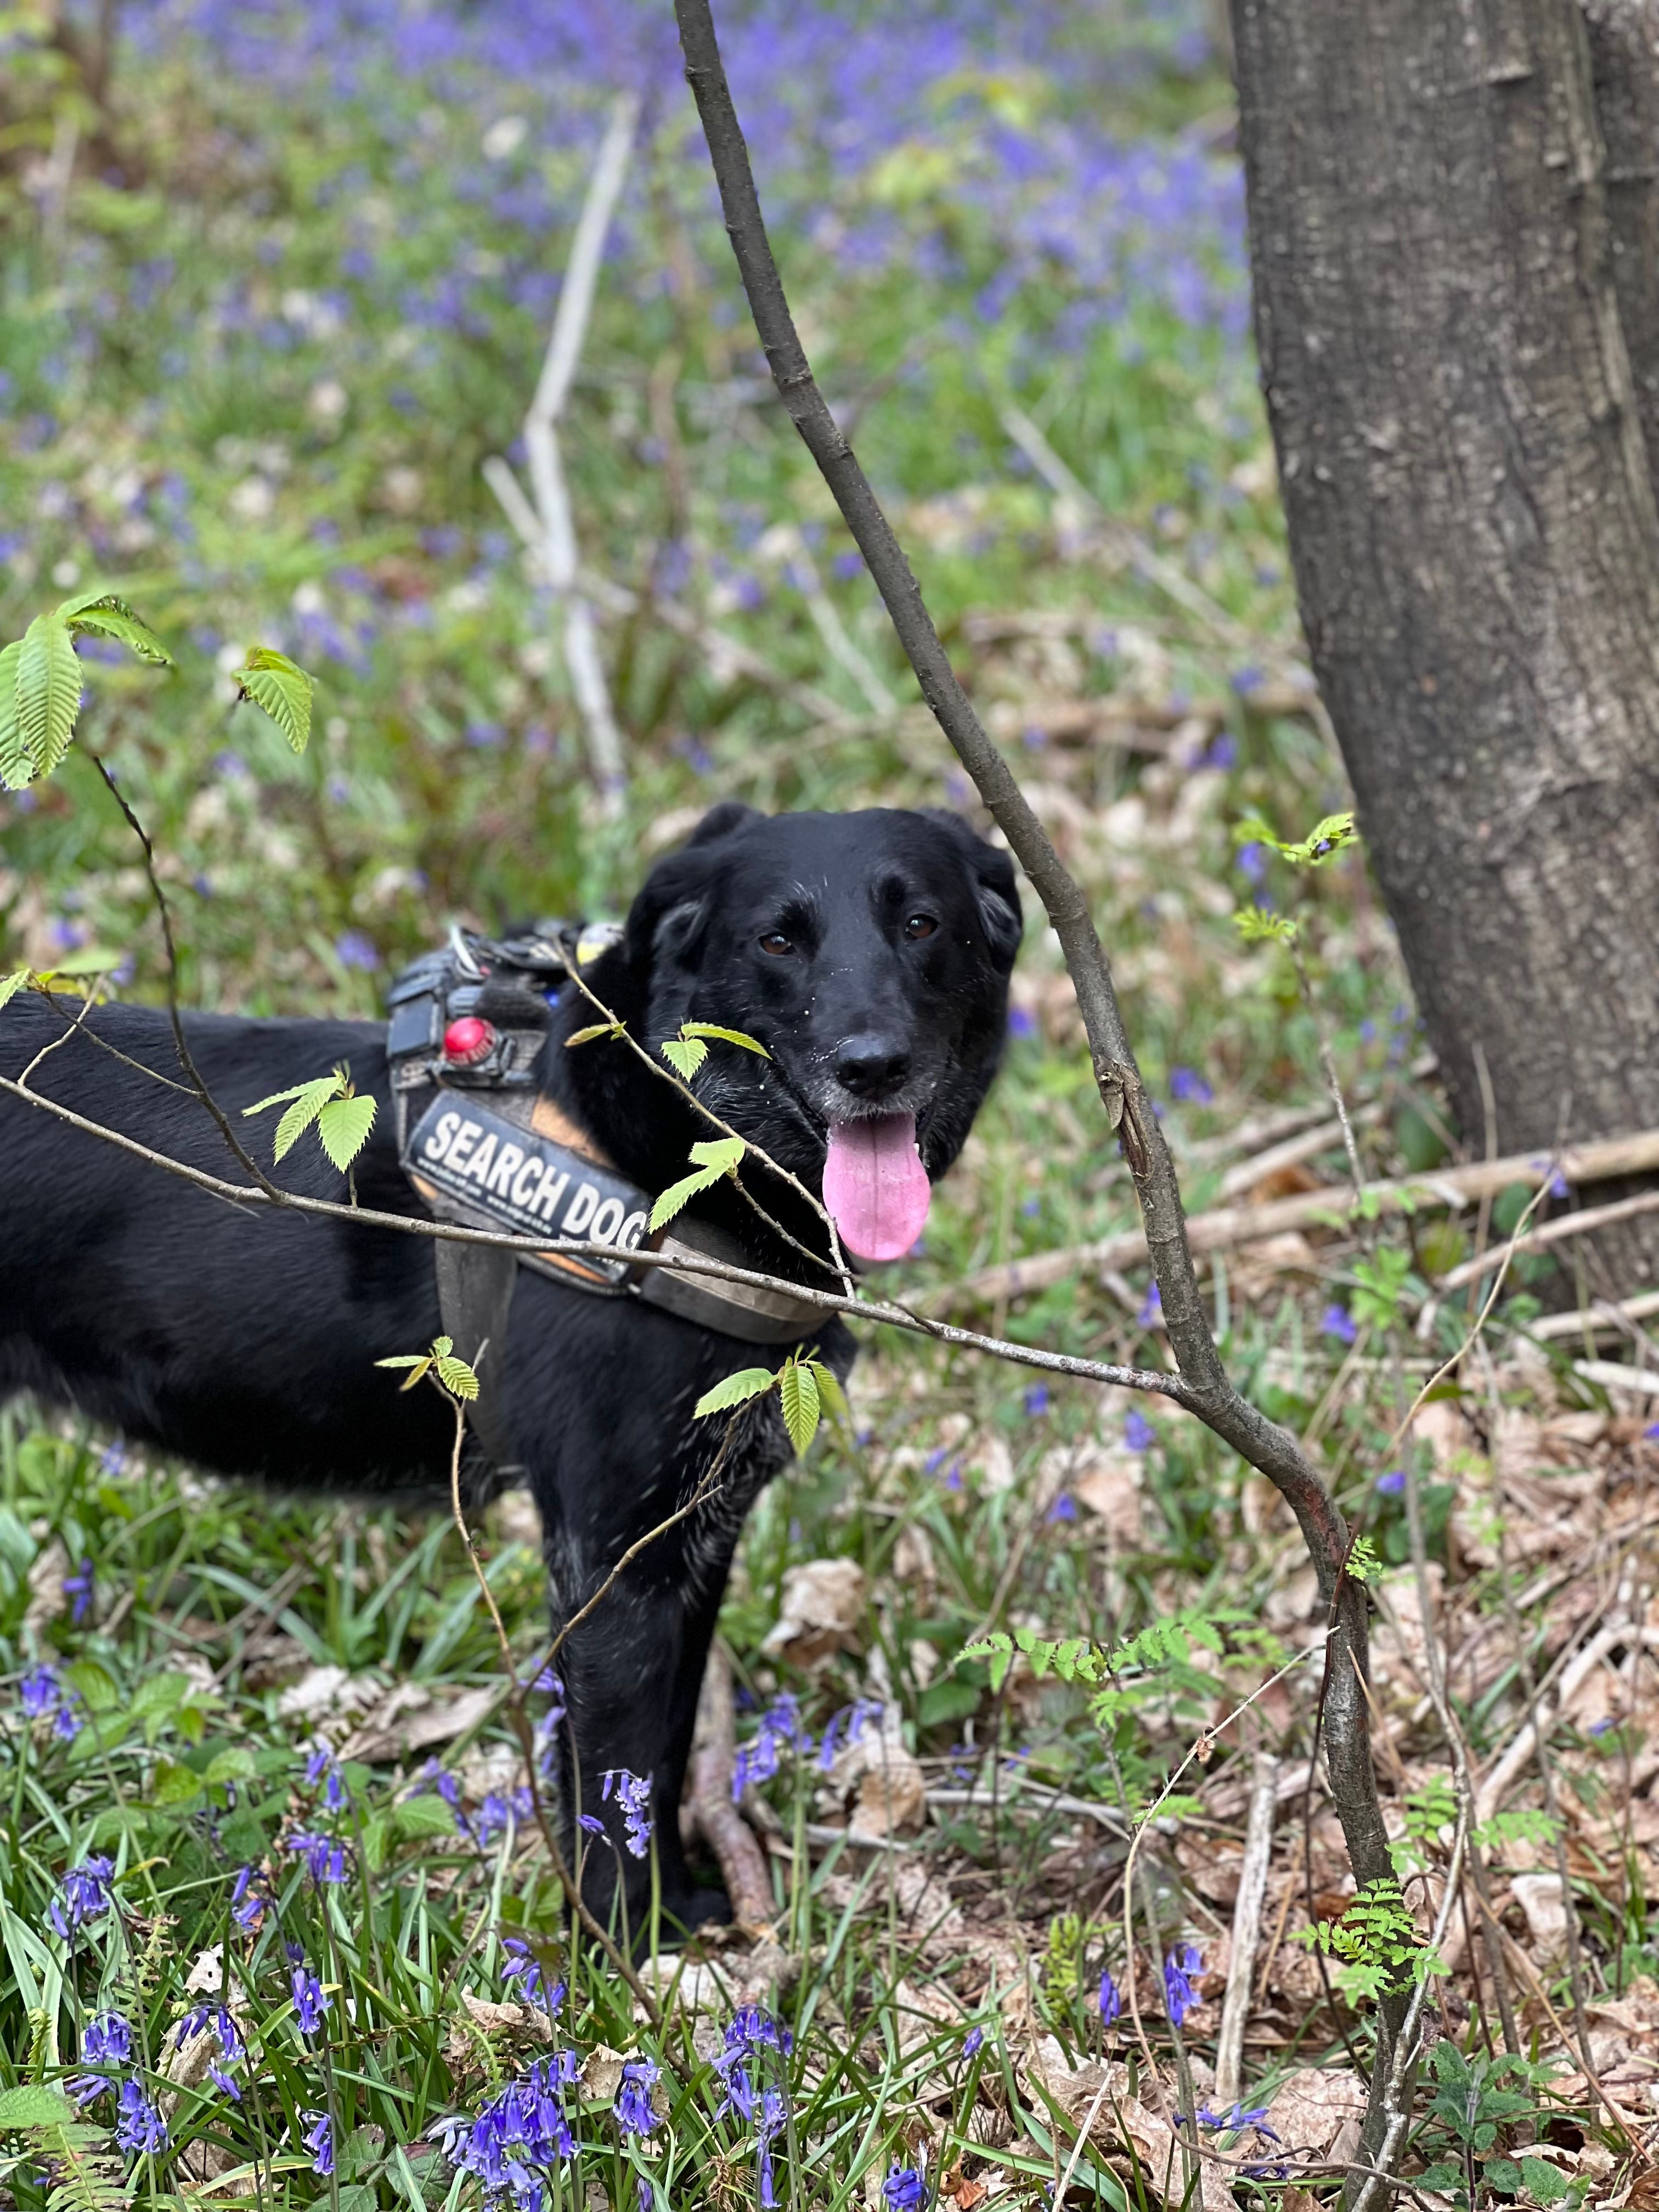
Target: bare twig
{"x":1247,"y":1930}
{"x":541,"y":438}
{"x":742,"y":1861}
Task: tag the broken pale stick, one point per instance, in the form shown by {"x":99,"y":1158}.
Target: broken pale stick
{"x":1226,"y":1226}
{"x":713,"y":1755}
{"x":1247,"y":1930}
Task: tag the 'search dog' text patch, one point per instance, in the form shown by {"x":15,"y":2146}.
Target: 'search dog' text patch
{"x":524,"y":1183}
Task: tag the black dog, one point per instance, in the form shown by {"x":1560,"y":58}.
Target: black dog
{"x":868,"y":952}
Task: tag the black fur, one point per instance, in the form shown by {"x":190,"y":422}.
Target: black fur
{"x":245,"y":1341}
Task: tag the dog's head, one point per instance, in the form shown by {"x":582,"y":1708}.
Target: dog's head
{"x":869,"y":953}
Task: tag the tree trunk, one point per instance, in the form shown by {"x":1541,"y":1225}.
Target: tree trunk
{"x":1453,"y":246}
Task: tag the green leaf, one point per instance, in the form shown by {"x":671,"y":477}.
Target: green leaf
{"x":594,"y":1030}
{"x":716,"y":1158}
{"x":1542,"y":2180}
{"x":48,"y":692}
{"x":342,"y":1128}
{"x":685,"y":1056}
{"x":102,"y":614}
{"x":420,"y":1818}
{"x":726,"y":1036}
{"x":735,"y":1390}
{"x":281,"y":688}
{"x":12,"y":984}
{"x":233,"y":1765}
{"x":33,"y":2105}
{"x":16,"y":769}
{"x":457,"y":1377}
{"x":87,"y":960}
{"x":300,"y":1116}
{"x":93,"y":1687}
{"x":1256,"y":926}
{"x":721,"y":1154}
{"x":174,"y":1784}
{"x":947,"y":1700}
{"x":830,"y":1391}
{"x":998,"y":1650}
{"x":797,"y":1394}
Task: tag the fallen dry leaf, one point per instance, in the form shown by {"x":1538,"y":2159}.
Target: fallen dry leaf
{"x":46,"y":1577}
{"x":1319,"y":2112}
{"x":823,"y":1606}
{"x":1539,"y":1896}
{"x":322,"y":1690}
{"x":1098,"y":2094}
{"x":412,"y":1718}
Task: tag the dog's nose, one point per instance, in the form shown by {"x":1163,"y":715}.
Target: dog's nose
{"x":871,"y":1064}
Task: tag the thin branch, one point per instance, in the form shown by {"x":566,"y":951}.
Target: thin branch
{"x":541,"y":438}
{"x":1268,"y":1447}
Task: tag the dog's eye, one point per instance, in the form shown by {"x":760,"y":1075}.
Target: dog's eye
{"x":920,"y":924}
{"x":776,"y":944}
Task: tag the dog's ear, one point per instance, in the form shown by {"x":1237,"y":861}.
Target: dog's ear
{"x":667,"y":919}
{"x":720,"y":822}
{"x":996,"y":892}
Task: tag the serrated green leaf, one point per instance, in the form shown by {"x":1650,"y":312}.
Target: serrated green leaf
{"x":720,"y":1153}
{"x":12,"y":984}
{"x":1545,"y":2182}
{"x":418,"y":1817}
{"x":104,"y":615}
{"x":457,"y":1377}
{"x":830,"y":1391}
{"x":372,"y":1842}
{"x":342,"y":1128}
{"x":16,"y":769}
{"x":87,"y":960}
{"x":594,"y":1030}
{"x":735,"y":1390}
{"x":281,"y":688}
{"x":297,"y":1120}
{"x":33,"y":2105}
{"x":48,"y":692}
{"x":233,"y":1765}
{"x":797,"y":1394}
{"x":726,"y":1036}
{"x":679,"y":1194}
{"x":685,"y":1056}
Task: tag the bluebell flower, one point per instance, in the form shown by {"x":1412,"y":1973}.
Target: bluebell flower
{"x":222,"y":2079}
{"x":1111,"y":2003}
{"x":1392,"y":1484}
{"x":1237,"y":2119}
{"x":318,"y":1759}
{"x":310,"y":2001}
{"x":434,"y":1776}
{"x":1139,"y":1434}
{"x":972,"y":2042}
{"x":1022,"y":1023}
{"x":845,"y":1726}
{"x":1336,"y":1320}
{"x":1179,"y":1967}
{"x":107,"y":2036}
{"x":45,"y":1693}
{"x":324,"y":1856}
{"x":139,"y":2126}
{"x":1152,"y":1307}
{"x":81,"y":2088}
{"x":248,"y":1902}
{"x":1651,"y":1432}
{"x":352,"y":948}
{"x":1064,"y":1507}
{"x":526,"y":1968}
{"x":1189,"y":1088}
{"x":319,"y":2140}
{"x":779,"y":1730}
{"x":595,"y":1828}
{"x":633,"y":1793}
{"x":1253,"y":861}
{"x":773,"y":2113}
{"x":521,"y":2129}
{"x":1036,"y":1400}
{"x":78,"y":1586}
{"x":83,"y":1895}
{"x":636,"y":2115}
{"x":904,"y":2189}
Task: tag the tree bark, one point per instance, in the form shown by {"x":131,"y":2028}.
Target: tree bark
{"x":1453,"y":249}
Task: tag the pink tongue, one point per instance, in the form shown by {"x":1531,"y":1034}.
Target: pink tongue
{"x":875,"y":1188}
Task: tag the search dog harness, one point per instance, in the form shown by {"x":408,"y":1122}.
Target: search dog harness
{"x":486,"y":1148}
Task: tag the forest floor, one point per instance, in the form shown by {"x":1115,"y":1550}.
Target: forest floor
{"x":263,"y":331}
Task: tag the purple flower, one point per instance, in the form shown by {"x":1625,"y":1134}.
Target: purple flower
{"x":79,"y":1586}
{"x":1237,"y":2119}
{"x":972,"y":2042}
{"x":1064,"y":1507}
{"x":223,"y":2080}
{"x":845,"y":1727}
{"x":779,"y":1730}
{"x":83,"y":1895}
{"x":1252,"y":861}
{"x":1651,"y":1432}
{"x":526,"y":1968}
{"x":1139,"y":1434}
{"x":1022,"y":1022}
{"x":318,"y":1759}
{"x":1182,"y":1964}
{"x":1189,"y":1088}
{"x":904,"y":2189}
{"x":310,"y":2002}
{"x":437,"y":1777}
{"x":634,"y":1797}
{"x":105,"y":2036}
{"x":319,"y":2140}
{"x":45,"y":1692}
{"x":1036,"y":1400}
{"x":1111,"y":2003}
{"x":1336,"y":1320}
{"x":593,"y":1827}
{"x":1391,"y":1485}
{"x":636,"y":2115}
{"x":521,"y":2129}
{"x":139,"y":2126}
{"x":1152,"y":1307}
{"x":248,"y":1905}
{"x":323,"y":1857}
{"x":352,"y":948}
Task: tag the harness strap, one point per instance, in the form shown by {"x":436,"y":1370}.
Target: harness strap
{"x":475,"y":1284}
